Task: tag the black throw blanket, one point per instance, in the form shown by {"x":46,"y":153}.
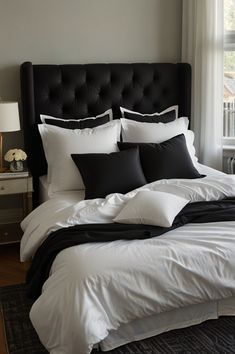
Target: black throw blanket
{"x":201,"y":212}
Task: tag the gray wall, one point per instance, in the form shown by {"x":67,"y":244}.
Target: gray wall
{"x":84,"y":31}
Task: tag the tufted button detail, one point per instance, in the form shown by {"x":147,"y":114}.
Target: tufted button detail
{"x":165,"y":91}
{"x":63,"y":80}
{"x":146,"y":91}
{"x":65,"y":108}
{"x":102,"y":92}
{"x":135,"y":78}
{"x":77,"y":93}
{"x":55,"y":94}
{"x":156,"y":106}
{"x":112,"y":78}
{"x":156,"y":78}
{"x":126,"y":92}
{"x":137,"y":107}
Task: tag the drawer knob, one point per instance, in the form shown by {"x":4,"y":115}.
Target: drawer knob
{"x":5,"y":233}
{"x":2,"y":188}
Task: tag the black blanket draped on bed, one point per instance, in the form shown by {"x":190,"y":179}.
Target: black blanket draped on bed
{"x":201,"y":212}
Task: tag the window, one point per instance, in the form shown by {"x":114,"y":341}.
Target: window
{"x":229,"y":72}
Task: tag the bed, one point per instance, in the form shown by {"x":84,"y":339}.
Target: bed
{"x":87,"y":90}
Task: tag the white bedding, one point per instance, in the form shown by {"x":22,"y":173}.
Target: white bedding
{"x":165,"y":321}
{"x":43,"y":189}
{"x":45,"y":195}
{"x":96,"y":288}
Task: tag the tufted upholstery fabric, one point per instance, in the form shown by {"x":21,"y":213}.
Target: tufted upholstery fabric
{"x":79,"y":91}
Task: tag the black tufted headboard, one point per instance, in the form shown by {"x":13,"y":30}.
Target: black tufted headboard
{"x":87,"y":90}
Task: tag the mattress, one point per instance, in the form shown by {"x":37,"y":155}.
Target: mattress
{"x":44,"y":194}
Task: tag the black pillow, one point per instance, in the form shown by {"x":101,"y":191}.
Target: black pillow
{"x":169,"y":159}
{"x":81,"y":124}
{"x":102,"y":174}
{"x":163,"y":118}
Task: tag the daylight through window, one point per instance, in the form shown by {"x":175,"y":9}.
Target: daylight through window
{"x":229,"y":69}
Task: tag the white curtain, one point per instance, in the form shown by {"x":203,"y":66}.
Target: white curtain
{"x":202,"y":47}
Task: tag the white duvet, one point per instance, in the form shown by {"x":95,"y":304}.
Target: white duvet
{"x":94,"y":288}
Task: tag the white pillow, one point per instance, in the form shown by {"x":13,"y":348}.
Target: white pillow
{"x":136,"y":132}
{"x":189,"y":136}
{"x":109,"y":112}
{"x":60,"y":143}
{"x":172,"y":108}
{"x":151,"y":208}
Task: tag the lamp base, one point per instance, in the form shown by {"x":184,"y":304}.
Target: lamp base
{"x":3,"y":169}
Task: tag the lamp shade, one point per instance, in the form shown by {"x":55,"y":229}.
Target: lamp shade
{"x":9,"y":117}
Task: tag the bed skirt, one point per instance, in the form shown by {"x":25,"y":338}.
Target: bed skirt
{"x":167,"y":321}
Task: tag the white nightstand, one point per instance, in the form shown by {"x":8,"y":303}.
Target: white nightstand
{"x":10,"y":231}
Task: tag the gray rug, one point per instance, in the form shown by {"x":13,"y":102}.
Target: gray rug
{"x":211,"y":337}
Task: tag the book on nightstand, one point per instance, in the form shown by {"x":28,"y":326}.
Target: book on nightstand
{"x":8,"y":174}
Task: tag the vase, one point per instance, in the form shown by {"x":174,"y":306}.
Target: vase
{"x":16,"y":166}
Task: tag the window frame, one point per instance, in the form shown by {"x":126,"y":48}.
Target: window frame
{"x":229,"y":41}
{"x":229,"y":46}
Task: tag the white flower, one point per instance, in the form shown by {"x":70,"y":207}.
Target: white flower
{"x":15,"y":155}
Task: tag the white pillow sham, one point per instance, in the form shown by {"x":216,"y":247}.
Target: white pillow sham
{"x":109,"y":112}
{"x":136,"y":132}
{"x":151,"y":208}
{"x":169,"y":109}
{"x":60,"y":143}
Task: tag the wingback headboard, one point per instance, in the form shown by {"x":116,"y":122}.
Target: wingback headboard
{"x":85,"y":90}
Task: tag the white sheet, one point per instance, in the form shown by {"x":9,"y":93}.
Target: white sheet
{"x":208,"y":171}
{"x":105,"y":285}
{"x":45,"y":195}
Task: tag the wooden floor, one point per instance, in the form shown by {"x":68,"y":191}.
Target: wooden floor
{"x":11,"y":272}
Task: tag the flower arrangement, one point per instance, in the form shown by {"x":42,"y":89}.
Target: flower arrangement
{"x":15,"y":155}
{"x":16,"y":158}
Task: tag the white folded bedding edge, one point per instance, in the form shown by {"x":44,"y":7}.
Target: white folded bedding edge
{"x":44,"y":194}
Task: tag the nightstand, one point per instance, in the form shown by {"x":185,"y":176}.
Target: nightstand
{"x":10,"y":231}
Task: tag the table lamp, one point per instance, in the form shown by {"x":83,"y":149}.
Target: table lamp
{"x":9,"y":122}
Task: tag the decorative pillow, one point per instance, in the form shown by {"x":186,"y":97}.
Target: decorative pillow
{"x":136,"y":132}
{"x":90,"y":122}
{"x":166,"y":116}
{"x":151,"y":208}
{"x":169,"y":159}
{"x":60,"y":143}
{"x":103,"y":174}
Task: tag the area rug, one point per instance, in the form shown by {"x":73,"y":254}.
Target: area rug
{"x":211,"y":337}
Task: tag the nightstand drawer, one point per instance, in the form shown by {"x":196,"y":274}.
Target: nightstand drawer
{"x":10,"y":233}
{"x":14,"y":186}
